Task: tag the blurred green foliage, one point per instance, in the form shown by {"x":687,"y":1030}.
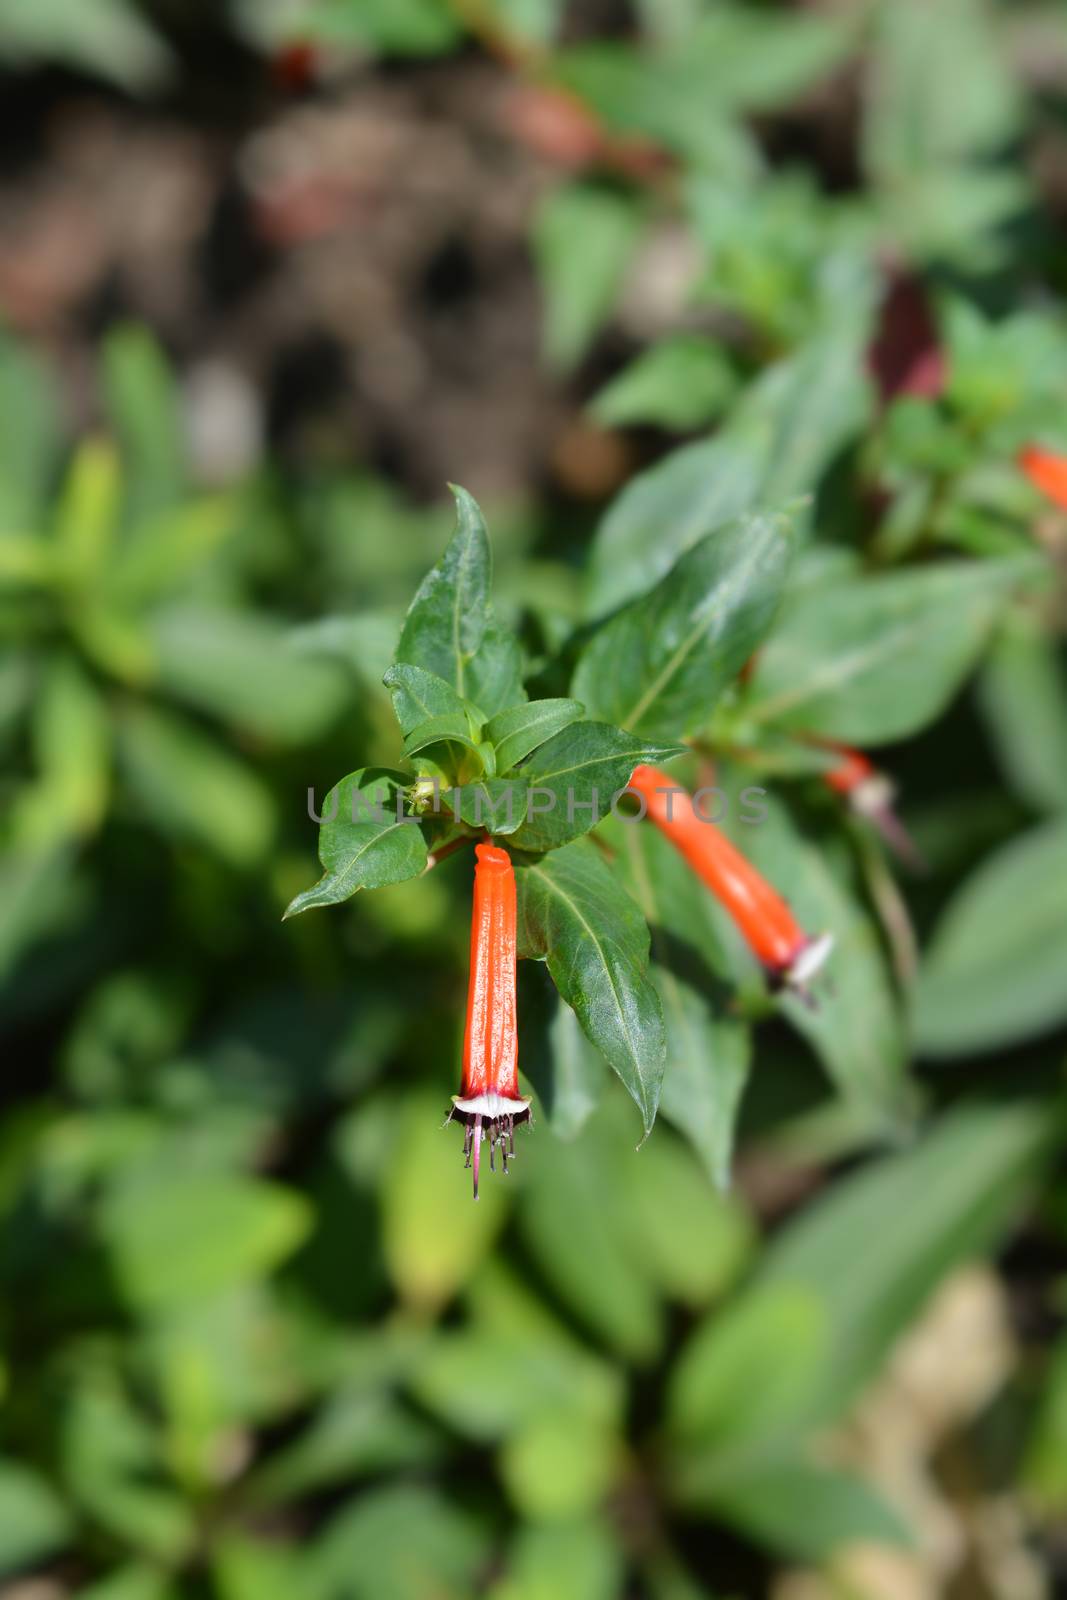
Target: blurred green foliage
{"x":255,"y":1340}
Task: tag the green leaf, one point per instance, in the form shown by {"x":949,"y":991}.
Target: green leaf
{"x":573,"y":778}
{"x":107,"y":37}
{"x":159,"y":557}
{"x":450,"y":629}
{"x":690,"y":1241}
{"x":365,"y":839}
{"x":658,"y":666}
{"x":361,"y":1429}
{"x":437,"y":730}
{"x":247,"y":1569}
{"x":29,"y":437}
{"x":192,"y":787}
{"x":87,"y":512}
{"x":407,"y":1542}
{"x":687,"y":92}
{"x":578,"y":1560}
{"x":362,"y":640}
{"x":666,"y":510}
{"x":243,"y":667}
{"x":140,"y":1582}
{"x":1007,"y":369}
{"x":871,"y":660}
{"x":33,"y":1520}
{"x":72,"y":745}
{"x":463,"y":1376}
{"x":391,"y":27}
{"x":568,"y":1222}
{"x":680,"y":382}
{"x":973,"y":1170}
{"x":1045,"y":1471}
{"x":1023,"y":696}
{"x":942,"y":99}
{"x":710,"y":1058}
{"x":855,"y":1026}
{"x":759,"y":61}
{"x":708,"y":1053}
{"x":943,"y":92}
{"x":446,"y":742}
{"x":560,"y":1465}
{"x":39,"y":896}
{"x":583,"y":237}
{"x":420,"y":696}
{"x":534,"y":22}
{"x":994,"y":973}
{"x":809,"y":1513}
{"x":785,"y":431}
{"x":171,"y":1241}
{"x":574,"y":915}
{"x":112,"y":1458}
{"x":498,"y":804}
{"x":566,"y":1070}
{"x":144,"y":408}
{"x":520,"y":729}
{"x":434,"y":1235}
{"x":744,"y":1379}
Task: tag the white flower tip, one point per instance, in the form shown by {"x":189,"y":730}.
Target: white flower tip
{"x":810,"y":959}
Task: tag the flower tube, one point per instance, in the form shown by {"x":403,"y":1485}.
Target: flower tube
{"x":1047,"y":471}
{"x":490,"y":1103}
{"x":870,"y":794}
{"x":787,"y":953}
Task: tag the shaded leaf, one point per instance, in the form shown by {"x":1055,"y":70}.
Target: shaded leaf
{"x":370,"y":1549}
{"x":875,"y":659}
{"x":33,"y":1520}
{"x":434,"y":1235}
{"x":243,"y":667}
{"x":745,"y":1378}
{"x":564,"y":1561}
{"x":973,"y":1170}
{"x":171,"y":1241}
{"x":498,"y":804}
{"x":568,"y":1225}
{"x":855,"y":1026}
{"x":808,"y":1512}
{"x":191,"y":786}
{"x":1023,"y":695}
{"x":574,"y":915}
{"x":995,"y":970}
{"x":708,"y":1052}
{"x":566,"y":1069}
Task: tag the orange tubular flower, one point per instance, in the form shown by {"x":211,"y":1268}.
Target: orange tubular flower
{"x":490,"y":1104}
{"x":870,"y":794}
{"x":772,"y":932}
{"x":1047,"y":471}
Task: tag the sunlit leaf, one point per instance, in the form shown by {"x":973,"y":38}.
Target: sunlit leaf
{"x":366,"y":839}
{"x":658,"y":666}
